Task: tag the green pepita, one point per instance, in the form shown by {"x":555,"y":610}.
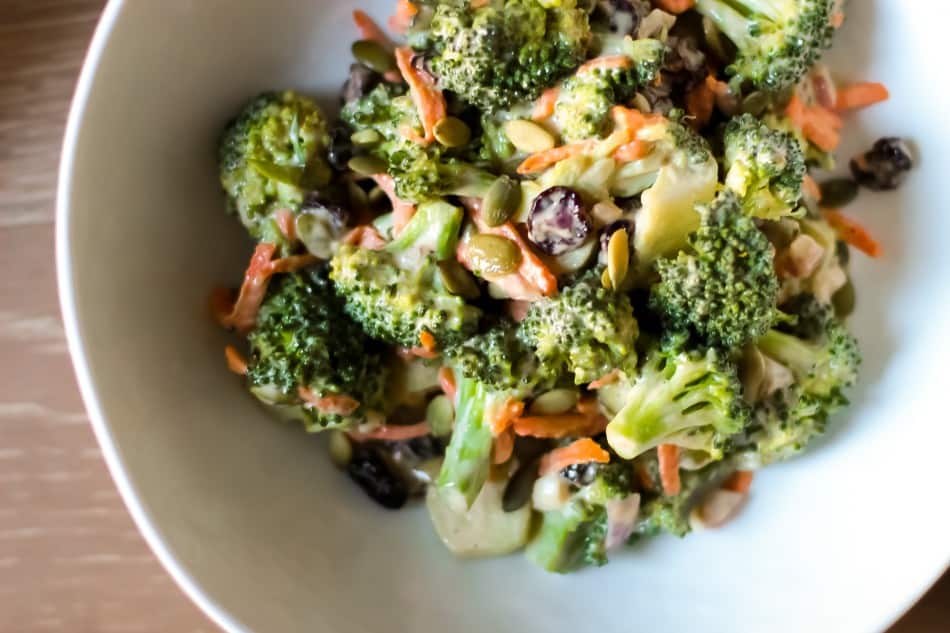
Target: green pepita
{"x":520,"y":486}
{"x":844,"y":300}
{"x":715,"y":40}
{"x":365,"y":138}
{"x":452,"y":132}
{"x":838,"y":192}
{"x":554,"y":402}
{"x":457,"y":280}
{"x":367,"y":165}
{"x":493,"y":255}
{"x":528,"y":136}
{"x":501,"y":201}
{"x":755,"y":103}
{"x":374,"y":55}
{"x":341,"y":451}
{"x":440,"y":414}
{"x":618,"y":257}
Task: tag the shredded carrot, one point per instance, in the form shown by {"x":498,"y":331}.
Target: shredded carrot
{"x":739,"y":481}
{"x":364,"y":236}
{"x":447,"y":382}
{"x":478,"y":4}
{"x":588,"y":406}
{"x":243,"y":314}
{"x":402,"y":210}
{"x":427,"y":341}
{"x":632,"y":119}
{"x":581,"y":451}
{"x":607,"y":379}
{"x":286,"y":224}
{"x":837,"y":19}
{"x":811,"y":188}
{"x":517,"y":310}
{"x":428,"y":99}
{"x":402,"y":20}
{"x":544,"y":106}
{"x":560,"y":426}
{"x":392,"y":432}
{"x":674,"y":6}
{"x":634,"y":150}
{"x":853,"y":233}
{"x":819,"y":125}
{"x":333,"y":404}
{"x":861,"y":95}
{"x":503,"y":447}
{"x":539,"y":161}
{"x":668,"y":456}
{"x":700,"y":102}
{"x":606,"y":62}
{"x":236,"y":362}
{"x":501,"y":419}
{"x":369,"y":30}
{"x":292,"y":263}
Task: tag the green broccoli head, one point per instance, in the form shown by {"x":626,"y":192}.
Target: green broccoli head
{"x":505,"y":52}
{"x":680,"y":396}
{"x":396,"y":294}
{"x":778,"y":41}
{"x":784,"y":424}
{"x":303,"y":339}
{"x":586,"y":330}
{"x":500,"y":360}
{"x":818,"y":349}
{"x":270,"y":156}
{"x":764,"y":167}
{"x":584,"y":100}
{"x":724,"y":287}
{"x":421,"y":172}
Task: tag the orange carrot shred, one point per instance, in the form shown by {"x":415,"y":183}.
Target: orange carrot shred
{"x":402,"y":210}
{"x":540,"y":161}
{"x":853,"y":233}
{"x":427,"y":341}
{"x":668,"y":456}
{"x":818,"y":124}
{"x":428,"y":99}
{"x":286,"y":224}
{"x":582,"y":451}
{"x":392,"y":432}
{"x":643,"y":476}
{"x":503,"y":447}
{"x":243,"y":314}
{"x":674,"y":6}
{"x":861,"y":95}
{"x":333,"y":404}
{"x":501,"y":419}
{"x":739,"y":481}
{"x":837,"y":19}
{"x":369,"y":30}
{"x":607,"y":379}
{"x":447,"y":382}
{"x":544,"y":106}
{"x":634,"y":150}
{"x":422,"y":352}
{"x":364,"y":236}
{"x":517,"y":310}
{"x":402,"y":20}
{"x":810,"y":187}
{"x":236,"y":362}
{"x":700,"y":102}
{"x":292,"y":263}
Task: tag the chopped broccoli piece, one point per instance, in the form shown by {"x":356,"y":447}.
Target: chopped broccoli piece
{"x":303,"y":339}
{"x":396,"y":294}
{"x":778,"y":41}
{"x":504,"y":52}
{"x":500,"y":360}
{"x":468,"y":455}
{"x":670,"y":514}
{"x":724,"y":287}
{"x":586,"y":330}
{"x":270,"y":156}
{"x":683,"y":397}
{"x":765,"y":167}
{"x":584,"y":100}
{"x":783,"y":425}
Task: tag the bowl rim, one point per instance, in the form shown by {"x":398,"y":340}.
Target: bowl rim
{"x":67,"y":301}
{"x":75,"y":344}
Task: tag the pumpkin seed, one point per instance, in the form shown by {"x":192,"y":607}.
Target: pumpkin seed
{"x":365,"y":138}
{"x":440,"y":414}
{"x":493,"y":255}
{"x":520,"y":486}
{"x":457,"y":280}
{"x":554,"y":402}
{"x":844,"y":300}
{"x":357,"y":197}
{"x":367,"y":165}
{"x":372,"y":54}
{"x":605,"y":280}
{"x":838,"y":192}
{"x":714,"y":39}
{"x":452,"y":132}
{"x":618,"y":257}
{"x":341,"y":451}
{"x":641,"y":103}
{"x":500,"y":201}
{"x":528,"y":136}
{"x":755,"y":103}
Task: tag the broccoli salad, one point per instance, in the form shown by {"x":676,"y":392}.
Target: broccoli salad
{"x":570,"y":271}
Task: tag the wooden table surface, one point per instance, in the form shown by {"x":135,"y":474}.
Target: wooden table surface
{"x":70,"y":558}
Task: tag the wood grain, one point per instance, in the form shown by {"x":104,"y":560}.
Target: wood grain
{"x":70,"y":558}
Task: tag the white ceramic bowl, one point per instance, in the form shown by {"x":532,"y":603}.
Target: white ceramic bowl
{"x":257,"y":527}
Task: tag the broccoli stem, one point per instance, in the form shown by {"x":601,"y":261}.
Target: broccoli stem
{"x":434,"y":228}
{"x":561,"y":541}
{"x":791,"y":351}
{"x":468,"y":455}
{"x":727,"y":19}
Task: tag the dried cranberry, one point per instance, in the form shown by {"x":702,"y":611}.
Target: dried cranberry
{"x":558,"y":221}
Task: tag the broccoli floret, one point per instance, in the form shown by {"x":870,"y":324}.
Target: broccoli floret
{"x":778,"y":41}
{"x":421,"y":172}
{"x":584,"y":100}
{"x":576,"y":535}
{"x":303,"y":339}
{"x":500,"y":360}
{"x":685,"y":397}
{"x":586,"y":330}
{"x":670,"y":514}
{"x":724,"y":287}
{"x":504,"y":52}
{"x":823,"y":356}
{"x":783,"y":425}
{"x":270,"y":156}
{"x":764,"y":167}
{"x":396,"y":293}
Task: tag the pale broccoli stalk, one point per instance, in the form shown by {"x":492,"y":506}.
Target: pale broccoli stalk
{"x":468,"y":455}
